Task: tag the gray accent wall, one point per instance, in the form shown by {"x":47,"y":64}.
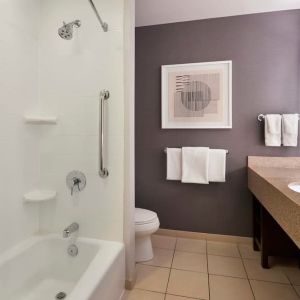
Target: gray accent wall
{"x":265,"y":52}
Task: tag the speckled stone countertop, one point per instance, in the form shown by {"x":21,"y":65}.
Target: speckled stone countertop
{"x":268,"y":179}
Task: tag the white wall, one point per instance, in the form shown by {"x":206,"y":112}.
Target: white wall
{"x":19,"y":156}
{"x":170,"y":11}
{"x":71,"y":74}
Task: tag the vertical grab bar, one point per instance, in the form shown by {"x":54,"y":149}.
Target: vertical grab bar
{"x":103,"y":172}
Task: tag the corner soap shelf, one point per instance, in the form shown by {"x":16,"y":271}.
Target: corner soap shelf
{"x":40,"y":119}
{"x":38,"y":196}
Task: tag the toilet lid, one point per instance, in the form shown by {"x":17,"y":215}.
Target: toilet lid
{"x":144,"y":216}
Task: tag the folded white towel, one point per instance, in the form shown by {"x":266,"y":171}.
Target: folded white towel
{"x":174,"y":164}
{"x":290,"y":130}
{"x":273,"y":130}
{"x":195,"y":161}
{"x":217,"y":165}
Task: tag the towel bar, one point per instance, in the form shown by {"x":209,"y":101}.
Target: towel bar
{"x":261,"y":117}
{"x":165,"y":150}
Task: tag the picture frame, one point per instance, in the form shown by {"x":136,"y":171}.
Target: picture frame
{"x":197,"y":95}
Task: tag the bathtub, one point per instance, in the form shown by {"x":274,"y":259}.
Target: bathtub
{"x":40,"y":268}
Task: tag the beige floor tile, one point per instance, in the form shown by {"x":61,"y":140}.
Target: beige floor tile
{"x":188,"y":284}
{"x":293,"y":274}
{"x":280,"y":261}
{"x":224,"y":249}
{"x":228,"y":288}
{"x":190,"y":245}
{"x":164,"y":242}
{"x":226,"y":266}
{"x":152,"y":278}
{"x":297,"y":288}
{"x":143,"y":295}
{"x":247,"y":251}
{"x":190,"y":261}
{"x":256,"y":272}
{"x":172,"y":297}
{"x":162,"y":258}
{"x":273,"y":291}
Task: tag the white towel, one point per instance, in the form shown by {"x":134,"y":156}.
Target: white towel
{"x":195,"y":161}
{"x":217,"y":165}
{"x":273,"y":130}
{"x":290,"y":130}
{"x":174,"y":164}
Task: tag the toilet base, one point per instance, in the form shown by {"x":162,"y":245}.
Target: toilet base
{"x":143,"y":248}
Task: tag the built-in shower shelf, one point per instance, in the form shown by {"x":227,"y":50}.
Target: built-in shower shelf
{"x":38,"y":196}
{"x":40,"y":119}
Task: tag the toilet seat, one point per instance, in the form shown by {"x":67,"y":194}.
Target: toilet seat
{"x":144,"y":216}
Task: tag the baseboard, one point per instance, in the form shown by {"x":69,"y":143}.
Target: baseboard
{"x":205,"y":236}
{"x":129,"y":284}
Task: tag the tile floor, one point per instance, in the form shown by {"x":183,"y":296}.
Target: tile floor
{"x":185,"y":269}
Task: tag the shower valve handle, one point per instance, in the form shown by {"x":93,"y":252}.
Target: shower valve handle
{"x":76,"y":179}
{"x":76,"y":182}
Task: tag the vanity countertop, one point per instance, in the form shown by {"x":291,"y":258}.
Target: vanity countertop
{"x":268,"y":179}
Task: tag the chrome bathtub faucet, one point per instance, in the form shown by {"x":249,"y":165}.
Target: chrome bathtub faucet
{"x":70,"y":229}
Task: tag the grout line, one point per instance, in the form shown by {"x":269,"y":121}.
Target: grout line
{"x":155,"y":266}
{"x":207,"y":270}
{"x":293,"y":287}
{"x":192,"y":271}
{"x":246,"y":272}
{"x":295,"y":291}
{"x":185,"y":297}
{"x":171,"y":268}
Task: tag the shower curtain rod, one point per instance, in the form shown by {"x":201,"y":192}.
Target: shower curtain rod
{"x":103,"y":24}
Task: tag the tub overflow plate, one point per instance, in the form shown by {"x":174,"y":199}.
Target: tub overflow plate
{"x":61,"y":295}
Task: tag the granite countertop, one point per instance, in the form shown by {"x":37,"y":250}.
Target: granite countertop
{"x":280,"y":177}
{"x":268,"y":179}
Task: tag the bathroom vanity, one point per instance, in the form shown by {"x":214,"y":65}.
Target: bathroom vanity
{"x":273,"y":182}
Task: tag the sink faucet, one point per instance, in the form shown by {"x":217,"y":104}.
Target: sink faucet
{"x":70,"y":229}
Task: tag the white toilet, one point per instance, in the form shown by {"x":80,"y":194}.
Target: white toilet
{"x":146,"y":223}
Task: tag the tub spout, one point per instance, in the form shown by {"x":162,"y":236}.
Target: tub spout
{"x":70,"y":229}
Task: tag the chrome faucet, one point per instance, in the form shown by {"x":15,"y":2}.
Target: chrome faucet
{"x":70,"y":229}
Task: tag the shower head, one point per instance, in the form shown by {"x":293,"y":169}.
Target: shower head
{"x":66,"y":31}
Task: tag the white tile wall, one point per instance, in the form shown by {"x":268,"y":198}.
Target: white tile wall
{"x":41,"y":72}
{"x":19,"y":150}
{"x":71,"y":75}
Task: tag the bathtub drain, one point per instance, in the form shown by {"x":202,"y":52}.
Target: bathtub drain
{"x":61,"y":295}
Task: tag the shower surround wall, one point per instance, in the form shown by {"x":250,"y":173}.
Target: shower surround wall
{"x":264,"y":49}
{"x":71,"y":75}
{"x":19,"y":148}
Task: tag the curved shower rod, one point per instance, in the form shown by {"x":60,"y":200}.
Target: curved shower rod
{"x":103,"y":24}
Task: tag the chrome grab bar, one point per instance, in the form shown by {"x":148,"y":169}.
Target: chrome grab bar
{"x":103,"y":172}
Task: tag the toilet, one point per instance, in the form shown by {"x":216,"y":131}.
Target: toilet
{"x":146,"y":223}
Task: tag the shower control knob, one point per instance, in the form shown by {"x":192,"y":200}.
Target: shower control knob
{"x":76,"y":181}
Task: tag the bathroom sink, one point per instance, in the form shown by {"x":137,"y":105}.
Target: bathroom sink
{"x":294,"y":186}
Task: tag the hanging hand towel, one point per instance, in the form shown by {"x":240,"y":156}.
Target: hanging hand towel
{"x":290,"y":130}
{"x":217,"y":165}
{"x":195,"y":162}
{"x":174,"y":164}
{"x":273,"y":130}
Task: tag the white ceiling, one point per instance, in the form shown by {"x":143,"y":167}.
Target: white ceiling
{"x":152,"y":12}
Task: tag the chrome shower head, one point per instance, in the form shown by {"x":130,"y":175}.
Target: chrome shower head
{"x":66,"y":31}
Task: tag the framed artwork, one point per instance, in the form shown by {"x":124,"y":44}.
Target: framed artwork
{"x":197,"y":95}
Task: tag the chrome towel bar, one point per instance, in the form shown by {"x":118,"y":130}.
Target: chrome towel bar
{"x":165,"y":150}
{"x":104,"y":95}
{"x":261,"y":117}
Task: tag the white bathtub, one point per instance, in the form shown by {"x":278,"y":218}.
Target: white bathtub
{"x":40,"y":267}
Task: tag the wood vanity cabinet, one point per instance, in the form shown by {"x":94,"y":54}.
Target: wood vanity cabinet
{"x":269,"y":237}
